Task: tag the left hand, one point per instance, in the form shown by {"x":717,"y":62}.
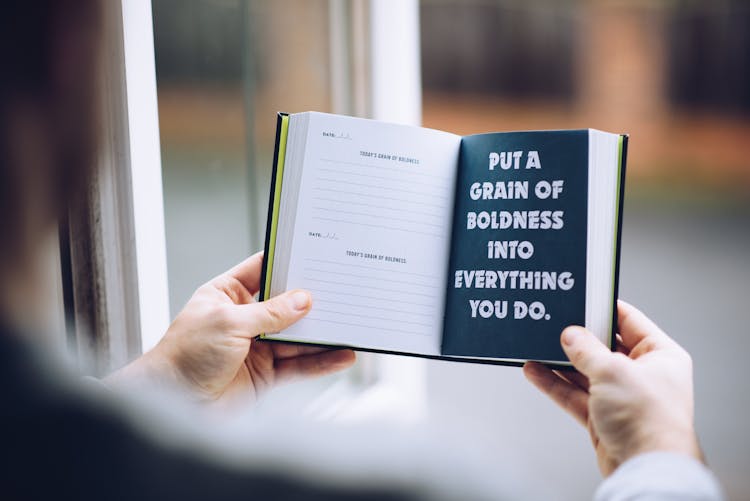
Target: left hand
{"x":211,"y":349}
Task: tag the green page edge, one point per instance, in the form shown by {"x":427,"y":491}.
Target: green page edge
{"x":276,"y":203}
{"x":616,"y":232}
{"x":275,"y":218}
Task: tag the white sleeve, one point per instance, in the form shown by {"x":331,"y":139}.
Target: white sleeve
{"x":660,"y":476}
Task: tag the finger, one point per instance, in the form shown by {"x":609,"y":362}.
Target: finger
{"x":570,"y":397}
{"x":636,"y":327}
{"x":273,"y":315}
{"x":290,"y":350}
{"x":318,"y":364}
{"x":619,"y":346}
{"x":575,"y":377}
{"x":586,"y":352}
{"x":248,"y":272}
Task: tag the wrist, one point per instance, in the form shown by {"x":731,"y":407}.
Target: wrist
{"x":679,"y":440}
{"x":150,"y":370}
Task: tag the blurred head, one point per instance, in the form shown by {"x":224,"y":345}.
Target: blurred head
{"x":48,"y":50}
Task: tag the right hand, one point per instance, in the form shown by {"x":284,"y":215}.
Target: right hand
{"x":636,"y":400}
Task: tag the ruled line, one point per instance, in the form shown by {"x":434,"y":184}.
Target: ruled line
{"x":379,"y":216}
{"x":368,"y":267}
{"x":357,"y":173}
{"x":368,"y":287}
{"x":408,"y":230}
{"x":379,"y":167}
{"x":389,"y":188}
{"x":379,"y":328}
{"x":349,"y":314}
{"x":371,"y":307}
{"x":433,"y":214}
{"x":364,"y":296}
{"x":379,"y":197}
{"x":370,"y":277}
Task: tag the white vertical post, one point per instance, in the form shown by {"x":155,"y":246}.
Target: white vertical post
{"x":395,"y":67}
{"x":145,"y":165}
{"x":339,"y":45}
{"x":396,"y":96}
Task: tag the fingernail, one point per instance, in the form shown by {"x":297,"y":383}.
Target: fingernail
{"x":570,"y":334}
{"x":300,"y":300}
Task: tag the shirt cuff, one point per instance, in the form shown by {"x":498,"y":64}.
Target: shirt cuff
{"x":660,"y":476}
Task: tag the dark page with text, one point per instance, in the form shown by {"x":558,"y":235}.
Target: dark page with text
{"x":517,"y":268}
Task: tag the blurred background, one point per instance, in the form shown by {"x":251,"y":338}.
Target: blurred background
{"x":675,"y":75}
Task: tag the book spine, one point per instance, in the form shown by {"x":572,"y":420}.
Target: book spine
{"x":623,"y":155}
{"x":267,"y":254}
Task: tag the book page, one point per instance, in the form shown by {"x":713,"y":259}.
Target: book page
{"x":518,"y":263}
{"x":371,"y":234}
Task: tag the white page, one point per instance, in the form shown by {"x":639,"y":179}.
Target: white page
{"x":389,"y":208}
{"x":603,"y":207}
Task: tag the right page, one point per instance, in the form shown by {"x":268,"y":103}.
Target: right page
{"x":517,"y":270}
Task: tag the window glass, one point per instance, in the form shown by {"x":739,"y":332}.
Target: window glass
{"x":224,"y":68}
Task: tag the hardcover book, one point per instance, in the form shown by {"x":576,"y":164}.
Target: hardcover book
{"x":421,"y":242}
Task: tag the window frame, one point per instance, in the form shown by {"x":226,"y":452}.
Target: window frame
{"x":125,"y":295}
{"x":145,"y":171}
{"x":399,"y":383}
{"x":113,"y":265}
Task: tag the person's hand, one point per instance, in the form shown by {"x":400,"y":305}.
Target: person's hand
{"x":636,"y":400}
{"x":210,"y":348}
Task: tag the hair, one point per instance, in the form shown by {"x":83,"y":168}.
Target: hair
{"x":49,"y":54}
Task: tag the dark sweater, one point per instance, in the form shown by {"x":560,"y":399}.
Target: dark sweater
{"x":57,"y":444}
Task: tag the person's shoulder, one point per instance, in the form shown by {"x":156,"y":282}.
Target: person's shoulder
{"x":56,"y":436}
{"x":43,"y":398}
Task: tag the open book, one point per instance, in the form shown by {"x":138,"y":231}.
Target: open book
{"x":422,"y":242}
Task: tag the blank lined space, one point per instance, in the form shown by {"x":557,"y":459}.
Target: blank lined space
{"x":370,"y":296}
{"x":373,"y":307}
{"x":337,"y":263}
{"x":360,"y":286}
{"x":382,"y":226}
{"x":372,"y":317}
{"x":387,"y":178}
{"x":374,"y":206}
{"x":403,"y":170}
{"x":365,"y":296}
{"x":388,"y":188}
{"x":379,"y":197}
{"x":410,"y":283}
{"x":379,"y":216}
{"x":356,"y":324}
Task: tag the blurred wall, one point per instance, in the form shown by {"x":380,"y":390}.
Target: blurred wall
{"x":674,"y":75}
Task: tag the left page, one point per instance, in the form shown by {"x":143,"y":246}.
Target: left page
{"x":371,"y":234}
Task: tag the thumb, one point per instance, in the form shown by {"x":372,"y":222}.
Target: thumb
{"x":275,"y":314}
{"x":585,"y":351}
